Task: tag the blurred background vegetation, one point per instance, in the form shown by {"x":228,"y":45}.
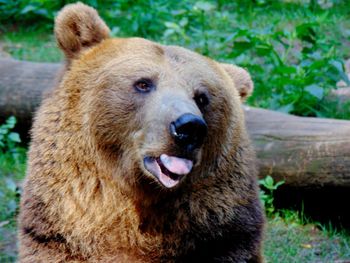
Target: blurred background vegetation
{"x":294,"y":50}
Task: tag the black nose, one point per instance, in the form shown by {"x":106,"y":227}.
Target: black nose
{"x":189,"y":131}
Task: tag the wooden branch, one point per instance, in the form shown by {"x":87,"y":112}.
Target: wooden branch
{"x":301,"y":151}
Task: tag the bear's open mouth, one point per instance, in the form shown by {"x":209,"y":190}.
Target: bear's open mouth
{"x":168,"y":169}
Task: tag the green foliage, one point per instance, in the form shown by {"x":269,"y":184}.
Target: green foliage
{"x":8,"y":139}
{"x":12,"y":165}
{"x":26,"y":10}
{"x":37,"y":11}
{"x":294,"y":64}
{"x":29,"y":44}
{"x":268,"y":187}
{"x":294,"y":51}
{"x":293,"y":69}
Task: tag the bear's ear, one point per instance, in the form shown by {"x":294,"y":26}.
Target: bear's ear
{"x":78,"y":26}
{"x":241,"y":78}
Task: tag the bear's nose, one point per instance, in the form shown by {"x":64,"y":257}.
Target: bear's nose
{"x":188,"y":131}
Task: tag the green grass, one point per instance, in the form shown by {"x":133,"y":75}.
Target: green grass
{"x":31,"y":45}
{"x":289,"y":241}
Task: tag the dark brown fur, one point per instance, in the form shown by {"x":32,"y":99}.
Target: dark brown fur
{"x":87,"y":197}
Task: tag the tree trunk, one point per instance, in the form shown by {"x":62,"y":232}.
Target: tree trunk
{"x":301,"y":151}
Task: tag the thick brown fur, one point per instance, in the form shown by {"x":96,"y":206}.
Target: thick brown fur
{"x":87,"y":196}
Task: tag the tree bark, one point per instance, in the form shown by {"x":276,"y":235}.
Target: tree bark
{"x":301,"y":151}
{"x":22,"y":85}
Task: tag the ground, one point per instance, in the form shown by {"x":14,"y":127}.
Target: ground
{"x":286,"y":241}
{"x":290,"y":241}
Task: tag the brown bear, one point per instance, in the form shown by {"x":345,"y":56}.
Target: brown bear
{"x":140,"y":154}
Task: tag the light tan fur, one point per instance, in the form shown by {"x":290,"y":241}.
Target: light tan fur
{"x":87,"y":196}
{"x":79,"y":27}
{"x":241,"y":79}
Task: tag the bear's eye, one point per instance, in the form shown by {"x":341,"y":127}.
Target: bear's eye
{"x":144,"y":85}
{"x":201,"y":100}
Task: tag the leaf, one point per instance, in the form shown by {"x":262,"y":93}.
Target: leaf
{"x":4,"y":223}
{"x":14,"y":136}
{"x":28,"y":8}
{"x":263,"y":49}
{"x":183,"y":22}
{"x":93,"y":3}
{"x":203,"y":6}
{"x":286,"y":108}
{"x":241,"y":46}
{"x":43,"y":12}
{"x":10,"y":184}
{"x":172,"y":25}
{"x":168,"y":32}
{"x":316,"y":65}
{"x":11,"y":122}
{"x":12,"y":206}
{"x":268,"y":182}
{"x":315,"y":90}
{"x":115,"y":31}
{"x":307,"y":32}
{"x":339,"y":67}
{"x":287,"y":69}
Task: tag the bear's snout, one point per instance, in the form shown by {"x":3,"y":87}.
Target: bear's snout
{"x":188,"y":131}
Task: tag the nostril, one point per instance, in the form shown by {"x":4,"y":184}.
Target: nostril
{"x":189,"y":131}
{"x":173,"y":131}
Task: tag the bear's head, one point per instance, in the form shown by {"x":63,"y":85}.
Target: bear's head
{"x":156,"y":114}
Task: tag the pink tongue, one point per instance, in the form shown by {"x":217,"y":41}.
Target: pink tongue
{"x":176,"y":165}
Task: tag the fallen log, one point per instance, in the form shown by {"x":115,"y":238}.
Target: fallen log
{"x":302,"y":151}
{"x":22,"y":85}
